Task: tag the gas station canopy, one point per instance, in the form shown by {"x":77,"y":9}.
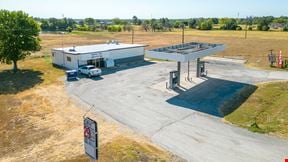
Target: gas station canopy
{"x":185,"y":52}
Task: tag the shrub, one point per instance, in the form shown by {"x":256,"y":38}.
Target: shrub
{"x":114,"y":28}
{"x":238,"y":28}
{"x":69,"y":29}
{"x":83,"y":28}
{"x":206,"y":25}
{"x":265,"y":28}
{"x":285,"y":28}
{"x":228,"y":24}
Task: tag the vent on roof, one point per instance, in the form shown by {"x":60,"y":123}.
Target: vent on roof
{"x":72,"y":49}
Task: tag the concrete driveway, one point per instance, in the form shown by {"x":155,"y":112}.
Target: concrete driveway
{"x":182,"y":122}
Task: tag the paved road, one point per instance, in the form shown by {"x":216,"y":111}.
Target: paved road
{"x":191,"y":133}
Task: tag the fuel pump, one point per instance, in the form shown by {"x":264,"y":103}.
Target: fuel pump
{"x":173,"y":80}
{"x":201,"y":68}
{"x":203,"y":71}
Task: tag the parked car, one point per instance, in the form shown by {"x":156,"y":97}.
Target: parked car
{"x":90,"y":70}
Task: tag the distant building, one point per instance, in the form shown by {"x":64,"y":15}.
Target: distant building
{"x":277,"y":25}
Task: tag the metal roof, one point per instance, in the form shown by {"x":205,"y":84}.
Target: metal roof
{"x":185,"y":52}
{"x":97,"y":48}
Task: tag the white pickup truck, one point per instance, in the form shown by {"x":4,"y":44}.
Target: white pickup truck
{"x":90,"y":70}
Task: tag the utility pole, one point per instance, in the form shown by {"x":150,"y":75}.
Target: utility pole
{"x":132,"y":36}
{"x":246,"y":29}
{"x":183,"y":34}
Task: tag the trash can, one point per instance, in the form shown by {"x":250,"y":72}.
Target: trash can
{"x":71,"y":75}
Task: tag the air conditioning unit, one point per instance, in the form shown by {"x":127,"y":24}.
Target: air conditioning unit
{"x":73,"y":49}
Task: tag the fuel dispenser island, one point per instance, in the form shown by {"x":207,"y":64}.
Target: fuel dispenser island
{"x":201,"y":68}
{"x":174,"y":79}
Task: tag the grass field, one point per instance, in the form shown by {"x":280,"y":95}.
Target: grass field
{"x":255,"y":48}
{"x":265,"y":111}
{"x":35,"y":109}
{"x":39,"y":122}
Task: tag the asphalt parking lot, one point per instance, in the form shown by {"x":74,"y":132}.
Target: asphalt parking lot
{"x":186,"y":123}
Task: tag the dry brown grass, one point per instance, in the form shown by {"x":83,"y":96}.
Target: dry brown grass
{"x":41,"y":123}
{"x":255,"y":48}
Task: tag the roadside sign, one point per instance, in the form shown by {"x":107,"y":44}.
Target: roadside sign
{"x":91,"y":138}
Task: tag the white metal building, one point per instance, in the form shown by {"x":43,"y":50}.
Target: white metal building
{"x":100,"y":55}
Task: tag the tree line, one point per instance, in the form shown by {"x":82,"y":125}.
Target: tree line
{"x":164,"y":24}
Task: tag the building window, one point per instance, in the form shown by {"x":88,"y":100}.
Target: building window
{"x":69,"y":59}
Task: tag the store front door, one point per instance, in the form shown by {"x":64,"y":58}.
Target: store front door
{"x":99,"y":62}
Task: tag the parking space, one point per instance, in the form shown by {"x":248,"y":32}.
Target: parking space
{"x":187,"y":122}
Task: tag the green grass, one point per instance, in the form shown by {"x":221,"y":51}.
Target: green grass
{"x":266,"y":111}
{"x":32,"y":72}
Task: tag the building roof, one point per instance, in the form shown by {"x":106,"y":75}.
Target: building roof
{"x":186,"y":52}
{"x":97,"y":48}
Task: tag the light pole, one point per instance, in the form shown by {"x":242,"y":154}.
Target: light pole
{"x":246,"y":28}
{"x":132,"y":36}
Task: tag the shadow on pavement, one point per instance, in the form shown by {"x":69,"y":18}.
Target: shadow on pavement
{"x":216,"y":97}
{"x":107,"y":71}
{"x":12,"y":83}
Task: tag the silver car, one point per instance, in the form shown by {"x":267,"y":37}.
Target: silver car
{"x":90,"y":70}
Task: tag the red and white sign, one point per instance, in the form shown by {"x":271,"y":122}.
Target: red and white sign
{"x":91,"y":138}
{"x":87,"y":133}
{"x":280,"y":60}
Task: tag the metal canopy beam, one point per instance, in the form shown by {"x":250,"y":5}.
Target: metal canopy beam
{"x":185,"y":52}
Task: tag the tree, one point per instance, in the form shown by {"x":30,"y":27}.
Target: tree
{"x":18,"y":36}
{"x":153,"y":24}
{"x":229,"y":24}
{"x":45,"y":25}
{"x":117,"y":21}
{"x":177,"y":24}
{"x":206,"y":25}
{"x":89,"y":21}
{"x":215,"y":20}
{"x":165,"y":24}
{"x":135,"y":20}
{"x":192,"y":23}
{"x":145,"y":25}
{"x":127,"y":27}
{"x":285,"y":28}
{"x":264,"y":22}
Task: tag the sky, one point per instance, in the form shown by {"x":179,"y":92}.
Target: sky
{"x":146,"y":9}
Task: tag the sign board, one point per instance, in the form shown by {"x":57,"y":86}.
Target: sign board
{"x":92,"y":56}
{"x":96,"y":55}
{"x":91,"y":138}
